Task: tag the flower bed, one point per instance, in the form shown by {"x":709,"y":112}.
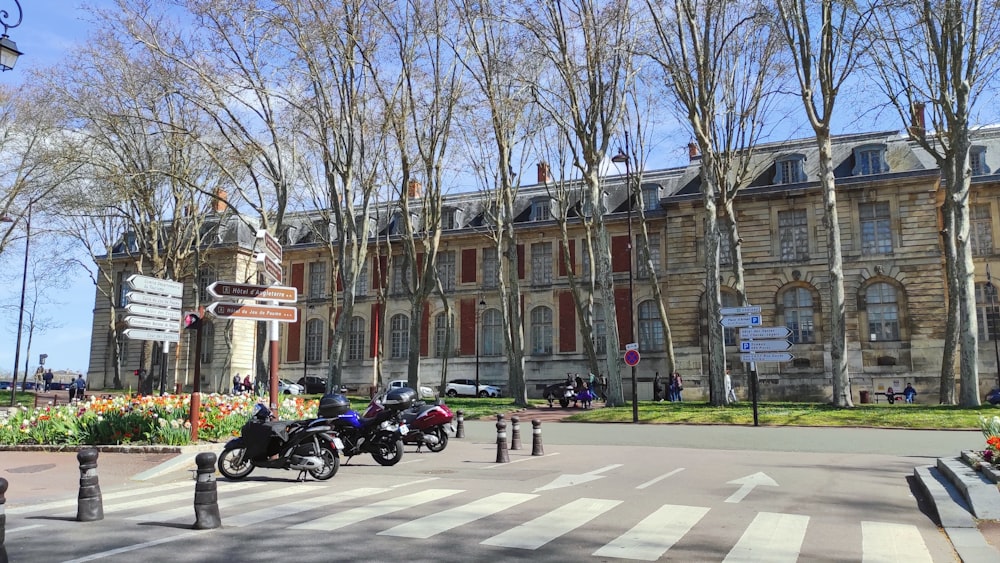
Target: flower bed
{"x":142,"y":419}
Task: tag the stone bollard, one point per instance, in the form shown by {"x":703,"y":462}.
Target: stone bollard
{"x":206,"y":495}
{"x":3,"y":520}
{"x":460,"y":424}
{"x":502,"y":456}
{"x":536,"y":438}
{"x":89,"y":504}
{"x":515,"y":433}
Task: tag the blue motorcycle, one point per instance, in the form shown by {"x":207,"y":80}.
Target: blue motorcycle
{"x":380,"y":435}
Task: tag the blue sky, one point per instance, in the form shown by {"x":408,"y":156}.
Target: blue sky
{"x":47,"y":34}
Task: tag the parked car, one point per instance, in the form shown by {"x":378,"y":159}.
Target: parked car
{"x":286,"y":387}
{"x":313,"y":384}
{"x":425,"y":392}
{"x":467,"y":387}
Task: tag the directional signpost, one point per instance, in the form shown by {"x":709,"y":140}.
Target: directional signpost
{"x":767,"y":357}
{"x":222,"y":290}
{"x":270,"y":259}
{"x":254,"y":312}
{"x":154,"y":313}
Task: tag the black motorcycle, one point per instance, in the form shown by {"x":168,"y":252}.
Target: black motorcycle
{"x":381,"y":435}
{"x":309,"y":446}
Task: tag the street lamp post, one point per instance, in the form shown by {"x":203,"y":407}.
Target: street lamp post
{"x":20,"y":315}
{"x":479,"y":314}
{"x":8,"y":49}
{"x":623,"y":157}
{"x":991,"y":289}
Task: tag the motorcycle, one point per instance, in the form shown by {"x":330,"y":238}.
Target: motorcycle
{"x":428,"y":423}
{"x":308,"y":446}
{"x":564,"y":392}
{"x":381,"y":435}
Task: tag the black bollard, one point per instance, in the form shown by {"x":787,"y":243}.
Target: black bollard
{"x":3,"y":520}
{"x":502,"y":456}
{"x":460,"y":425}
{"x":206,"y":494}
{"x":89,"y":505}
{"x":515,"y":433}
{"x":536,"y":438}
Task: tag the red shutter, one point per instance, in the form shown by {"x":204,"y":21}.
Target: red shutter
{"x":467,"y":322}
{"x":572,"y":258}
{"x":425,"y":321}
{"x":469,"y":265}
{"x":621,"y":258}
{"x":340,"y":280}
{"x":623,"y":312}
{"x":379,"y":275}
{"x":567,"y":322}
{"x":294,"y":339}
{"x":376,"y":319}
{"x":298,"y":273}
{"x":520,"y":261}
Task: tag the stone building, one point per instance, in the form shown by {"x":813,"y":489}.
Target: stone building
{"x":889,"y":198}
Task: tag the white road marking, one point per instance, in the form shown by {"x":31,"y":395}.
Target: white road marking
{"x":549,"y":526}
{"x":771,"y":538}
{"x":884,"y":542}
{"x":23,"y":528}
{"x":655,"y":534}
{"x":570,"y":480}
{"x":748,"y":484}
{"x":660,"y":478}
{"x":134,"y":547}
{"x":434,"y":524}
{"x":408,"y":483}
{"x":496,"y":465}
{"x":381,"y":508}
{"x":162,"y":499}
{"x":227,"y":502}
{"x":282,"y":510}
{"x":105,"y":496}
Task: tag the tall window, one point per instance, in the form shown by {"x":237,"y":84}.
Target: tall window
{"x":883,"y":312}
{"x":361,"y":288}
{"x":356,"y":339}
{"x":441,"y":335}
{"x":399,"y":273}
{"x":120,"y":278}
{"x":981,"y":230}
{"x":654,"y":257}
{"x":541,"y":263}
{"x":399,"y":336}
{"x":798,"y":309}
{"x":730,"y":299}
{"x":987,"y":311}
{"x":491,"y":268}
{"x":876,"y":231}
{"x":650,"y":328}
{"x":725,"y":247}
{"x":793,"y":234}
{"x":122,"y":343}
{"x":207,"y":341}
{"x":541,"y":331}
{"x":584,"y":261}
{"x":492,"y":344}
{"x":206,"y":277}
{"x":600,"y":330}
{"x":314,"y":341}
{"x":977,"y":161}
{"x":317,"y":280}
{"x":446,"y":270}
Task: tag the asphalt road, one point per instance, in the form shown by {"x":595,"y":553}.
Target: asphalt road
{"x":600,"y":493}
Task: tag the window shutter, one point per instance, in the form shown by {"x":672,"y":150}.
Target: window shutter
{"x":520,"y":261}
{"x":624,"y":317}
{"x":298,"y":273}
{"x":294,"y":340}
{"x":621,"y":258}
{"x":567,"y":322}
{"x":467,"y":314}
{"x":376,"y":329}
{"x":469,"y":265}
{"x":425,"y":321}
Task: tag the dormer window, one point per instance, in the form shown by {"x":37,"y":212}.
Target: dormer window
{"x":977,"y":161}
{"x":869,"y":159}
{"x":650,"y":197}
{"x":449,"y":218}
{"x":541,"y":210}
{"x":396,"y":226}
{"x":587,"y":207}
{"x":790,"y":169}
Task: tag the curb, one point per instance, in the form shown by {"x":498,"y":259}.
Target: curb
{"x":954,"y":515}
{"x":122,"y":449}
{"x":980,"y":494}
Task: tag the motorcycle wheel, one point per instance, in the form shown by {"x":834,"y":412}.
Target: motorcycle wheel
{"x":234,"y":464}
{"x":331,"y":463}
{"x":442,"y":437}
{"x":564,"y":402}
{"x":388,"y":452}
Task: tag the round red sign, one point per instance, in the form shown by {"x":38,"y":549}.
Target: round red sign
{"x":632,"y":357}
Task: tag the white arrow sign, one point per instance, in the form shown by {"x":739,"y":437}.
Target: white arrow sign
{"x":747,"y":484}
{"x":571,"y":480}
{"x":147,"y":284}
{"x":150,"y":311}
{"x":766,"y":357}
{"x":740,"y":320}
{"x":157,"y":300}
{"x":765,"y":346}
{"x":748,"y":310}
{"x":765,"y":332}
{"x":157,"y":324}
{"x":155,"y":335}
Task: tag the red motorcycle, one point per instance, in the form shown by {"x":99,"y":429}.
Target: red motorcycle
{"x":428,"y":424}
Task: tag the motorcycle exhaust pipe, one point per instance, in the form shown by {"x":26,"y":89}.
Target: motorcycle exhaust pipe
{"x":305,"y":463}
{"x":431,"y":439}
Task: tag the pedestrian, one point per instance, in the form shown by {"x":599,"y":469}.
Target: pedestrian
{"x":81,"y":387}
{"x":237,"y":384}
{"x":247,"y":384}
{"x":39,"y":379}
{"x":47,"y":378}
{"x":730,"y":392}
{"x":657,"y":388}
{"x":72,"y":390}
{"x":604,"y":387}
{"x":890,"y":395}
{"x":909,"y":393}
{"x":677,"y":385}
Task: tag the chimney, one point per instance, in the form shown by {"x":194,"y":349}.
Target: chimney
{"x":918,"y":125}
{"x":414,"y":189}
{"x":220,"y":204}
{"x":543,"y":173}
{"x":693,"y":151}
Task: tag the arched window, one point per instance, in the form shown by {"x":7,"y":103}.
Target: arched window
{"x":881,"y":304}
{"x":207,"y":341}
{"x":650,"y":328}
{"x":356,"y":339}
{"x":492,"y":343}
{"x":541,"y":331}
{"x":399,"y":336}
{"x":314,"y":341}
{"x":987,"y":311}
{"x":797,"y":303}
{"x":600,"y":329}
{"x":441,"y":335}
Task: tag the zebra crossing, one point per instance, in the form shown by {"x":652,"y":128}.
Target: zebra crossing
{"x":434,"y":511}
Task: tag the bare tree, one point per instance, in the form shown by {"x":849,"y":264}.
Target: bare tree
{"x":944,"y":54}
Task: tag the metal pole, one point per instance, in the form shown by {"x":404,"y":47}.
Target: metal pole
{"x":195,"y":414}
{"x":20,"y":315}
{"x":993,"y":327}
{"x":631,"y":282}
{"x":272,"y":334}
{"x":477,"y":350}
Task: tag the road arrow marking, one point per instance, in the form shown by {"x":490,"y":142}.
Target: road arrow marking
{"x":571,"y":480}
{"x":747,"y":484}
